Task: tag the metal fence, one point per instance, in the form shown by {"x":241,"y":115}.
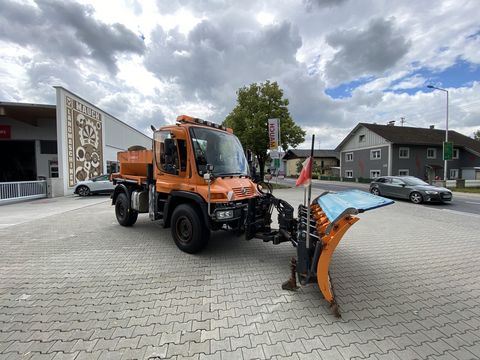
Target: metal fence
{"x":22,"y":190}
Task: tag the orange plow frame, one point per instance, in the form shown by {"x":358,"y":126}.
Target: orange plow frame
{"x":326,"y":227}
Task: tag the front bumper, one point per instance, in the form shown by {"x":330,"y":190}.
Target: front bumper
{"x":440,"y":197}
{"x":237,"y":211}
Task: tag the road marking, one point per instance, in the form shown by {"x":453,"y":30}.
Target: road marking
{"x":472,"y":202}
{"x":460,"y":212}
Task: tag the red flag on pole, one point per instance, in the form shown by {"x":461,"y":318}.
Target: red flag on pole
{"x":306,"y":174}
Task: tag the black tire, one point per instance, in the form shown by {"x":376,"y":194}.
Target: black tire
{"x":83,"y":190}
{"x":416,"y":197}
{"x":188,"y":230}
{"x":375,"y":191}
{"x":124,"y":213}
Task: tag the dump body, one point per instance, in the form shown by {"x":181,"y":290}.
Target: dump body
{"x":133,"y":165}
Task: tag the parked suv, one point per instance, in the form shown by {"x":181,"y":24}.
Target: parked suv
{"x":96,"y":185}
{"x":409,"y":187}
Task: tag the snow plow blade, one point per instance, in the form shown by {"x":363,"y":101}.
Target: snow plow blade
{"x":331,"y":215}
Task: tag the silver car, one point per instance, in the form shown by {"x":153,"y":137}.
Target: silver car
{"x":96,"y":185}
{"x":409,"y":187}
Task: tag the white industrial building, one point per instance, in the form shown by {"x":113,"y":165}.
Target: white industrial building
{"x":62,"y":144}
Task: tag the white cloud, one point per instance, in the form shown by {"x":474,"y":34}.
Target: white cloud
{"x":196,"y":54}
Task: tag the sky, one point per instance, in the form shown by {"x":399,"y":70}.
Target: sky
{"x":339,"y":62}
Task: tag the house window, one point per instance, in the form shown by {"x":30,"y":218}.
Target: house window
{"x":374,"y":174}
{"x":404,"y":153}
{"x":455,"y":154}
{"x":403,"y":172}
{"x":349,"y":173}
{"x":349,"y":156}
{"x":453,"y":173}
{"x":361,"y":138}
{"x":431,"y":153}
{"x":113,"y":166}
{"x":375,"y":154}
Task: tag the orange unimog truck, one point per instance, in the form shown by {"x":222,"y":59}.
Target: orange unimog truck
{"x":196,"y":179}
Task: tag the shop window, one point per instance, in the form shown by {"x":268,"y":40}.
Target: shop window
{"x":48,"y":146}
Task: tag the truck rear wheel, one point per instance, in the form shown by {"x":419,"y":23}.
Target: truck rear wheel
{"x":125,"y":215}
{"x":188,"y":231}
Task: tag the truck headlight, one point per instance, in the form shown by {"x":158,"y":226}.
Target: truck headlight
{"x":431,"y":192}
{"x":225,"y":214}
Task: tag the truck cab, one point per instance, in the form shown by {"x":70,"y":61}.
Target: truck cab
{"x":195,"y":179}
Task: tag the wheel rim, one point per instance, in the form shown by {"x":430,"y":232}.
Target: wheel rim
{"x":416,"y":198}
{"x":83,"y":191}
{"x":121,"y":209}
{"x":375,"y":191}
{"x":184,"y":230}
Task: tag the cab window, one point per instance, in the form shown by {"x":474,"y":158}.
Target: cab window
{"x":167,"y":154}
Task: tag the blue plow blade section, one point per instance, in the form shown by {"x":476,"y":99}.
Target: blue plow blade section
{"x":336,"y":204}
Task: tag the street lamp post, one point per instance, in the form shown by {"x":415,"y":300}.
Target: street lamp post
{"x":446,"y":132}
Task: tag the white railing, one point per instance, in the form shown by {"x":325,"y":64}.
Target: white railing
{"x":22,"y":190}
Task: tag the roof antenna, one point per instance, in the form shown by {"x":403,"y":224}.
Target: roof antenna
{"x":402,"y":120}
{"x":153,"y":128}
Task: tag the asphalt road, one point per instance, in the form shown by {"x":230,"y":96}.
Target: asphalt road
{"x":462,"y":202}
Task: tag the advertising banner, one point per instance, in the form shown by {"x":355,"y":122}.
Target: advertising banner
{"x":274,"y":133}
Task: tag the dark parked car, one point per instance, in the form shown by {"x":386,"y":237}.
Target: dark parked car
{"x":409,"y":187}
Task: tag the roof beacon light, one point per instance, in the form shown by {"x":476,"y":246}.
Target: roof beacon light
{"x":189,"y":119}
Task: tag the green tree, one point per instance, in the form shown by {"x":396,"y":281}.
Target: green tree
{"x":476,"y":135}
{"x":299,"y":165}
{"x":255,"y":105}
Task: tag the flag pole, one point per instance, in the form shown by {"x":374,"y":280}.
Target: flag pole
{"x":309,"y":193}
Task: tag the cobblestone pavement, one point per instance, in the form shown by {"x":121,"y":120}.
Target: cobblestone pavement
{"x":79,"y":286}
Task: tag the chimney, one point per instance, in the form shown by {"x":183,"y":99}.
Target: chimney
{"x":432,"y":127}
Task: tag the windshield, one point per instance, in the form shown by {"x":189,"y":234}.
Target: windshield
{"x":220,"y":149}
{"x":414,"y":181}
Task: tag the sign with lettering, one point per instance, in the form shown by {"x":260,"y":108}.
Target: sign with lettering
{"x":447,"y":150}
{"x":274,"y":133}
{"x":84,"y":141}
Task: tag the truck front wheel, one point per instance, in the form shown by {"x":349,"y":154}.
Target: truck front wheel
{"x":188,"y":231}
{"x":125,"y":215}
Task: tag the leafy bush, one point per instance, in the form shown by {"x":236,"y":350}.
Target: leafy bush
{"x":364,"y":180}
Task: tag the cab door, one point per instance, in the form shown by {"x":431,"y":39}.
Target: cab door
{"x":171,"y":160}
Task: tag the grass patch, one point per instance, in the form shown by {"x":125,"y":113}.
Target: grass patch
{"x":472,"y":190}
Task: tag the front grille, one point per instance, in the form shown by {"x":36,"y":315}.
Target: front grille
{"x":242,"y":191}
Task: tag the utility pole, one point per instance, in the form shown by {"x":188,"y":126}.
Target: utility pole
{"x":402,"y":121}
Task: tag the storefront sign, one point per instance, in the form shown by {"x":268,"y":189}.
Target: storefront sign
{"x":274,"y":133}
{"x":84,"y":141}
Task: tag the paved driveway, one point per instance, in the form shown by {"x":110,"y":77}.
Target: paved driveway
{"x":77,"y":285}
